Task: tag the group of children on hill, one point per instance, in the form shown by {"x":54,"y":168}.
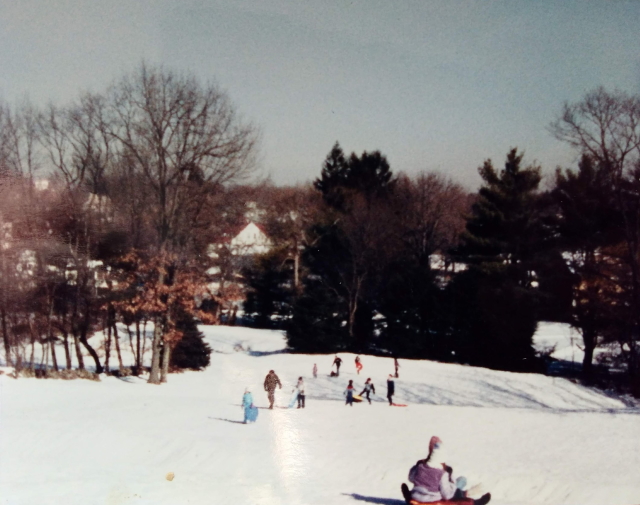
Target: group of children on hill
{"x":270,"y":383}
{"x":430,"y":483}
{"x":368,"y":389}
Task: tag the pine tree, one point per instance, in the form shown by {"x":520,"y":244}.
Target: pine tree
{"x":191,"y":352}
{"x":501,"y":237}
{"x":333,"y":178}
{"x":503,"y":229}
{"x":270,"y":290}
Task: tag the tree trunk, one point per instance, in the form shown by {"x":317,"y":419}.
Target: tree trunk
{"x":117,"y":341}
{"x":138,"y":354}
{"x":87,"y":346}
{"x":107,"y":348}
{"x":33,"y":347}
{"x":76,"y":343}
{"x":5,"y":337}
{"x":67,"y":351}
{"x":52,"y":342}
{"x":166,"y":357}
{"x":589,"y":337}
{"x":144,"y":343}
{"x":154,"y":375}
{"x":51,"y":338}
{"x":133,"y":351}
{"x":296,"y":269}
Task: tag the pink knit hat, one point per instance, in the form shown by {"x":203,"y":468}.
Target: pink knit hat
{"x":432,"y":443}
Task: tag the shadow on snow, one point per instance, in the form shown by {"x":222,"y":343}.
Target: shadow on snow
{"x":373,"y":499}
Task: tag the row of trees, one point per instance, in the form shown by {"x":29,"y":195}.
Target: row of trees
{"x":418,"y":267}
{"x":137,"y":180}
{"x":144,"y":176}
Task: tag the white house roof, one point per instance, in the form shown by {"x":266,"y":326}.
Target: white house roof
{"x":250,"y":240}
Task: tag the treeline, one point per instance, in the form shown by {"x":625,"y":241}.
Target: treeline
{"x":369,"y":261}
{"x":107,"y":206}
{"x":145,"y":177}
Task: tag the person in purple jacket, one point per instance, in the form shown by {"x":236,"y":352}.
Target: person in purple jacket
{"x":432,"y":484}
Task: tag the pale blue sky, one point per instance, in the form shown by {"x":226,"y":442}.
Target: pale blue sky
{"x":433,"y":85}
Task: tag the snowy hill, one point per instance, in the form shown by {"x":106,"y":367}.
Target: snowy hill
{"x":528,"y":439}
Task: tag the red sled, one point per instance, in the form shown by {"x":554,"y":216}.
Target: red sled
{"x":401,"y":405}
{"x":461,"y":501}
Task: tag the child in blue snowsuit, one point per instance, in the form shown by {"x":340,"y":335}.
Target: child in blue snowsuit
{"x":247,"y":404}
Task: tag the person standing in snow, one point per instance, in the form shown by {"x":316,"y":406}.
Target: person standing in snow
{"x":270,"y":382}
{"x":349,"y":393}
{"x":315,"y":371}
{"x":247,"y":404}
{"x":432,"y":484}
{"x":391,"y":389}
{"x":337,"y":362}
{"x":358,"y":365}
{"x":368,"y":389}
{"x":300,"y":388}
{"x":396,"y":365}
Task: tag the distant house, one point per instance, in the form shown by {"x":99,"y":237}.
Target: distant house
{"x":234,"y":251}
{"x":250,"y":240}
{"x":247,"y":241}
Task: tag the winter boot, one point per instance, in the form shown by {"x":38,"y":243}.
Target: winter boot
{"x":483,"y":500}
{"x":405,"y":492}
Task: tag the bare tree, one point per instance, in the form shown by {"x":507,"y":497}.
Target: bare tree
{"x":291,"y":211}
{"x":432,"y":214}
{"x":184,"y":141}
{"x":606,"y":126}
{"x":80,"y":150}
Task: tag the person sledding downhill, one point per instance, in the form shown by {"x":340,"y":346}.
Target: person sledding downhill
{"x":436,"y":486}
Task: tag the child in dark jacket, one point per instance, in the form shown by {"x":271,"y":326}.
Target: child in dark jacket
{"x":391,"y":389}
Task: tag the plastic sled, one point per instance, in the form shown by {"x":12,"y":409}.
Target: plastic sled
{"x":461,"y":501}
{"x":357,"y":398}
{"x":252,"y":414}
{"x":293,"y":400}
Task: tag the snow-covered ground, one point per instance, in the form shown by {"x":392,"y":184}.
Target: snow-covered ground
{"x":529,"y":439}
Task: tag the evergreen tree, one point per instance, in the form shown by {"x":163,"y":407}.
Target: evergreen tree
{"x":333,"y":178}
{"x":491,"y":321}
{"x":271,"y":291}
{"x":191,"y":352}
{"x":501,"y":237}
{"x":411,"y":302}
{"x":503,"y":229}
{"x":369,"y":175}
{"x":352,"y":246}
{"x":317,"y":322}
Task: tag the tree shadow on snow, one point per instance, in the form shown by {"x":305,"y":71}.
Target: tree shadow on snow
{"x":373,"y":499}
{"x":227,"y":420}
{"x":259,"y":354}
